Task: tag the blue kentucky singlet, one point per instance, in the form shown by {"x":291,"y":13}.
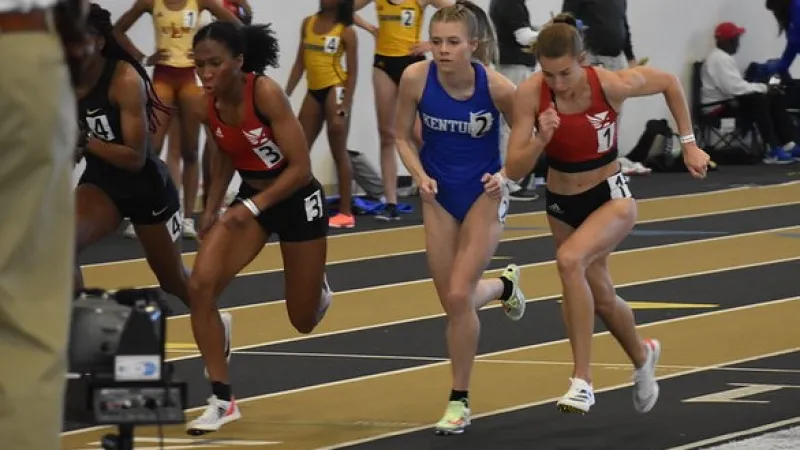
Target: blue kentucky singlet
{"x":461,"y":137}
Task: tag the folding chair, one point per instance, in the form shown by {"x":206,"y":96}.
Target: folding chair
{"x":719,"y":143}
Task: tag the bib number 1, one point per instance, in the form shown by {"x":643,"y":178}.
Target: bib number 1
{"x":605,"y":138}
{"x":618,"y":185}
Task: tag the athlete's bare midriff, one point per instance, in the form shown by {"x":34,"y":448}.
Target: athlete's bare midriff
{"x":564,"y":183}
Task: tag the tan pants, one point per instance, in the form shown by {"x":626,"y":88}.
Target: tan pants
{"x":38,"y":129}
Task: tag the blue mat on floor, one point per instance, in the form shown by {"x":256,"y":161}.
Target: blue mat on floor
{"x":367,"y":206}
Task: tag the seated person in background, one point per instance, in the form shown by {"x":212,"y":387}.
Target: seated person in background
{"x":757,"y":102}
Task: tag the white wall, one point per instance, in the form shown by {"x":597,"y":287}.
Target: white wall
{"x":673,"y":33}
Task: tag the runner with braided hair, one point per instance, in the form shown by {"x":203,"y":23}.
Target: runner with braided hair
{"x":123,"y":177}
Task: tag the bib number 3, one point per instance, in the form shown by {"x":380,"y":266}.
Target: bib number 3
{"x":269,"y":154}
{"x":618,"y":185}
{"x":313,"y":206}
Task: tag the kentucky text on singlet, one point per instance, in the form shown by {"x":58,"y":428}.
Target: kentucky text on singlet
{"x":461,"y":137}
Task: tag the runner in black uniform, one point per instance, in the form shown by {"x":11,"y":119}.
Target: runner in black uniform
{"x":123,"y":177}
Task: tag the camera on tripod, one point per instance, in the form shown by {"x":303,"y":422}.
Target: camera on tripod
{"x":117,"y":346}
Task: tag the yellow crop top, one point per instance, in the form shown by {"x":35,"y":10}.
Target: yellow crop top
{"x":175,"y":31}
{"x":322,"y":56}
{"x":400,"y":27}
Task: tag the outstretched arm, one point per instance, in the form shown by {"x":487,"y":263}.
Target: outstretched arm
{"x":644,"y":81}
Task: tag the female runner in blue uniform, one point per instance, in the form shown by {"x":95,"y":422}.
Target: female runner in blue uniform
{"x":123,"y":176}
{"x":459,"y":101}
{"x":590,"y":207}
{"x":256,"y":133}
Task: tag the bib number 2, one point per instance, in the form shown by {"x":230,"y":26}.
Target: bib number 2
{"x":618,"y":185}
{"x":407,"y":17}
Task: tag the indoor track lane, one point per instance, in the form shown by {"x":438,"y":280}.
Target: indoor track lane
{"x":365,"y":343}
{"x":116,"y":248}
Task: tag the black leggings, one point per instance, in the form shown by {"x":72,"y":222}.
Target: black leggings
{"x":768,"y":112}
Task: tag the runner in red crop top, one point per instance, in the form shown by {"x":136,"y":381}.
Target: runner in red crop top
{"x":590,"y":208}
{"x":255,"y":132}
{"x":250,"y":144}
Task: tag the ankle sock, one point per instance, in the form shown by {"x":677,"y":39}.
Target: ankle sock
{"x":460,"y":396}
{"x":221,"y":390}
{"x":508,"y":288}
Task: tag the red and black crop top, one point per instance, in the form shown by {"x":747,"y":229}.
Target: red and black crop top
{"x":250,"y":144}
{"x":586,"y":140}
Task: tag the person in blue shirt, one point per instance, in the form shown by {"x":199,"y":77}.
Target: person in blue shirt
{"x":464,"y":198}
{"x":787,"y":14}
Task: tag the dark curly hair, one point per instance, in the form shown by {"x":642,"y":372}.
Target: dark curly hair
{"x":256,"y":43}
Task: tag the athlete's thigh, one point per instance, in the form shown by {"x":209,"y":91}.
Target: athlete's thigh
{"x":166,"y":95}
{"x":559,"y":230}
{"x":96,"y":215}
{"x":311,"y":118}
{"x":303,"y":271}
{"x":477,"y":242}
{"x":224,"y":252}
{"x":441,"y":238}
{"x":337,"y":126}
{"x":174,"y":139}
{"x":162,"y":248}
{"x":603,"y":230}
{"x":385,"y":99}
{"x":301,"y":223}
{"x":189,"y":98}
{"x":158,"y":222}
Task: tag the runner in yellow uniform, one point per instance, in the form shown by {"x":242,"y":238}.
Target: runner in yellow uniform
{"x":175,"y":23}
{"x":398,"y":45}
{"x":326,"y":37}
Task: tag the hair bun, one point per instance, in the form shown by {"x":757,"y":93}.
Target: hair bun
{"x":566,"y":18}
